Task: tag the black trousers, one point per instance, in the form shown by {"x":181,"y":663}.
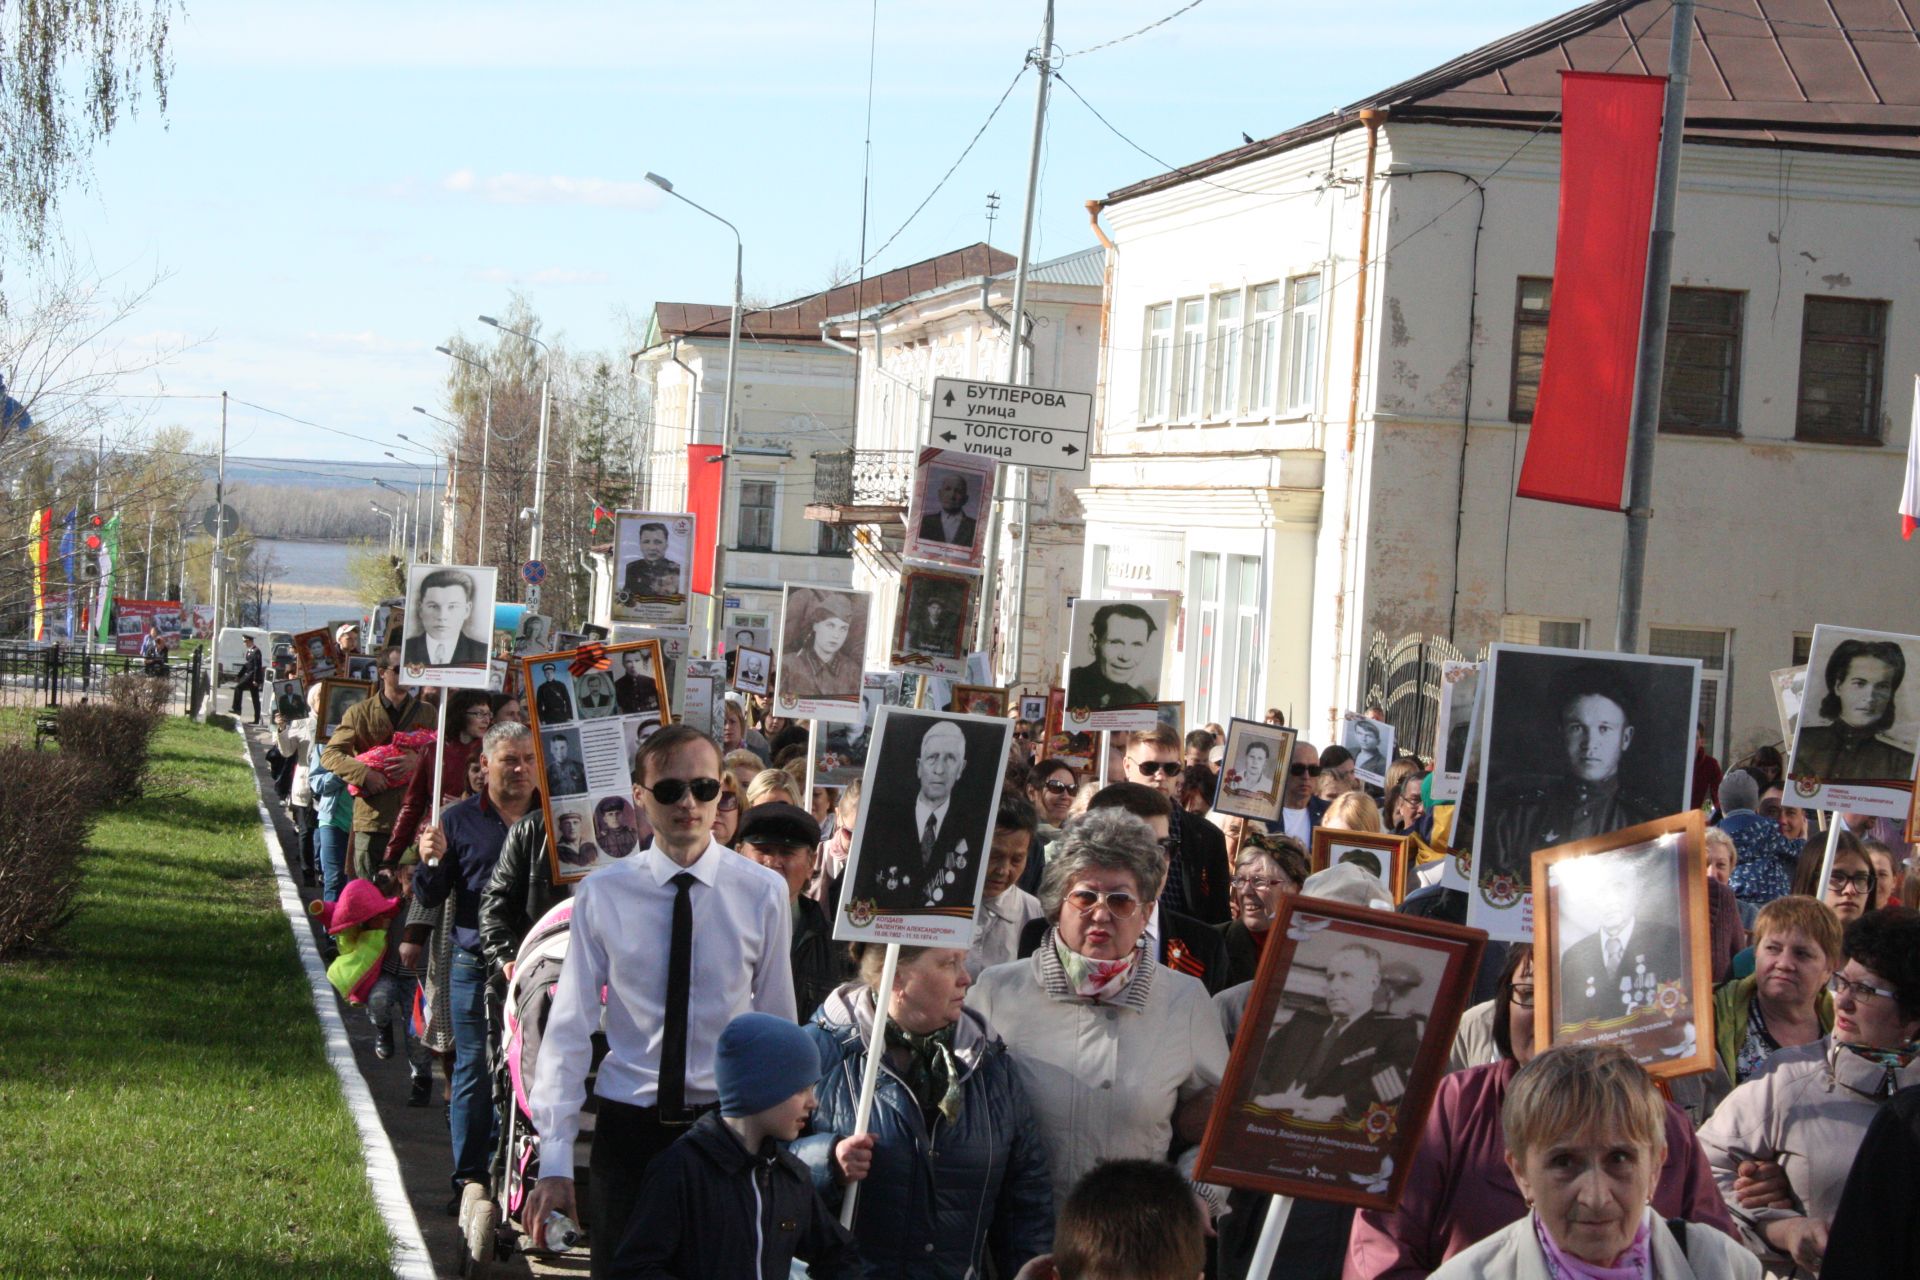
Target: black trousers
{"x":626,"y":1138}
{"x":253,"y":689}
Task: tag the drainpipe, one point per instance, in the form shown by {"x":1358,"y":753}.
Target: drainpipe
{"x":1372,"y":118}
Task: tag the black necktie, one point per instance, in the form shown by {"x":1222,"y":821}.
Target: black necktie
{"x":673,"y":1042}
{"x":927,"y":838}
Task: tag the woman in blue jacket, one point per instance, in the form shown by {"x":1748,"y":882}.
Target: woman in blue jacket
{"x":953,"y":1164}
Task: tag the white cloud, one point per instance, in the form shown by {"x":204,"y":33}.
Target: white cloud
{"x":527,"y":188}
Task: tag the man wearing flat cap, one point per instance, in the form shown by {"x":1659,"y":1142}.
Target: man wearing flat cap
{"x":819,"y":665}
{"x":785,"y":839}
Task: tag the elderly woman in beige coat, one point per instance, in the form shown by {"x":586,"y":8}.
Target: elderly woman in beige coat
{"x":1586,"y":1137}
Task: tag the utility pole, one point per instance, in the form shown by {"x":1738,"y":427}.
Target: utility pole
{"x":1653,"y":332}
{"x":219,"y":549}
{"x":1042,"y":60}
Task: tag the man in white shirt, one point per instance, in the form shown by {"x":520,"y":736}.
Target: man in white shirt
{"x":1297,"y":818}
{"x":684,"y":909}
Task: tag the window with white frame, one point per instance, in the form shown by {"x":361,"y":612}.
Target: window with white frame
{"x":1224,"y":398}
{"x":1303,"y":344}
{"x":1711,"y":648}
{"x":1551,"y":633}
{"x":1263,"y":349}
{"x":1193,"y":357}
{"x":1156,"y":390}
{"x":756,"y":515}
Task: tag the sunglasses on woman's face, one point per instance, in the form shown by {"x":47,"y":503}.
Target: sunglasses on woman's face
{"x":729,"y":802}
{"x":1056,"y":787}
{"x":1120,"y":904}
{"x":670,"y":790}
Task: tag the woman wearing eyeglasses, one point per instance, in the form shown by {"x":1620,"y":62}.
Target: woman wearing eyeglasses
{"x":1268,"y":868}
{"x":1120,"y":1055}
{"x":1809,"y":1107}
{"x":1850,"y":884}
{"x":1460,"y":1189}
{"x":726,"y":813}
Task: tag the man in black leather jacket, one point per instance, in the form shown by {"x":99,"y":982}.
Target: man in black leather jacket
{"x":520,"y":892}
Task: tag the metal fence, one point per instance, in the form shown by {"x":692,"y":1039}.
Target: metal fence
{"x":35,"y":676}
{"x":1403,"y":679}
{"x":863,"y":477}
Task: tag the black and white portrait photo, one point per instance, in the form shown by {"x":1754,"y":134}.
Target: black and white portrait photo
{"x":652,"y":573}
{"x":566,"y":769}
{"x":1577,"y":744}
{"x":1859,"y":717}
{"x":752,"y":670}
{"x":553,"y":700}
{"x":840,"y":750}
{"x":1789,"y":691}
{"x":361,"y":667}
{"x":593,"y":695}
{"x":1370,"y":743}
{"x":1253,"y":770}
{"x":925,"y":828}
{"x":449,"y":626}
{"x":1626,"y":937}
{"x":1116,"y":653}
{"x":636,"y":686}
{"x":573,"y":842}
{"x":535,"y":635}
{"x":748,"y":629}
{"x":823,"y":637}
{"x":930,"y":627}
{"x":335,"y":699}
{"x":1459,"y":684}
{"x":945,"y":520}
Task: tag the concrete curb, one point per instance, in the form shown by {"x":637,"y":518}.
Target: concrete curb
{"x":411,"y":1260}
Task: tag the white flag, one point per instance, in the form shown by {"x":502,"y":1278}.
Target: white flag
{"x":1910,"y":496}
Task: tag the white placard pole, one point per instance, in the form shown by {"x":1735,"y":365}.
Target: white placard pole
{"x":870,"y":1078}
{"x":813,"y":749}
{"x":1106,"y":753}
{"x":1270,"y":1232}
{"x":1834,"y":822}
{"x":439,"y":756}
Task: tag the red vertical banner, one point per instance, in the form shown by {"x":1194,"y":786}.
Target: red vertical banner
{"x":706,"y":483}
{"x":1609,"y":151}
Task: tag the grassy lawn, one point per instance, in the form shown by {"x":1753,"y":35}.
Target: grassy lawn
{"x":165,"y":1108}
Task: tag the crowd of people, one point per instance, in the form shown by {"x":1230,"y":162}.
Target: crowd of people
{"x":1041,"y":1094}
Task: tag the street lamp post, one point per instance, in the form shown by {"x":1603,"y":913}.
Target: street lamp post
{"x":419,"y":542}
{"x":726,"y":421}
{"x":540,"y":456}
{"x":486,"y":442}
{"x":405,"y":548}
{"x":449,"y":517}
{"x":393,"y":524}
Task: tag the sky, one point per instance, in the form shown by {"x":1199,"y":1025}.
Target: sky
{"x":335,"y":189}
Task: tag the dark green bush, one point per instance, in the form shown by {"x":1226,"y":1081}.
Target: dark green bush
{"x":112,"y":742}
{"x":46,"y":813}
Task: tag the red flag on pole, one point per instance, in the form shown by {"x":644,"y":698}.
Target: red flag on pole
{"x":1609,"y":150}
{"x":706,"y":475}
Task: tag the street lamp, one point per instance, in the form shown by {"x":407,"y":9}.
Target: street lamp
{"x":402,"y":504}
{"x":486,"y":441}
{"x":393,"y":524}
{"x":540,"y":455}
{"x":726,"y":420}
{"x":449,"y":531}
{"x":418,"y":541}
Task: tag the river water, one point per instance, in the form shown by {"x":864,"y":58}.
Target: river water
{"x":312,"y":587}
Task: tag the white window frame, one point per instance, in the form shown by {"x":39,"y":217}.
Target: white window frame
{"x":1717,"y":679}
{"x":1156,"y":365}
{"x":1300,"y":368}
{"x":772,"y":480}
{"x":1225,"y":349}
{"x":1264,"y":330}
{"x":1190,"y":358}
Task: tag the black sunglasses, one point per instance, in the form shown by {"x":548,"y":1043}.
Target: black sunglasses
{"x":1171,"y":768}
{"x":1304,"y":770}
{"x":670,"y":790}
{"x":1058,"y":787}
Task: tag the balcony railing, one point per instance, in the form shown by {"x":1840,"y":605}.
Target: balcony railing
{"x":863,"y":478}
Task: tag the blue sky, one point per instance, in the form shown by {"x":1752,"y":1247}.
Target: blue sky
{"x":338,"y":188}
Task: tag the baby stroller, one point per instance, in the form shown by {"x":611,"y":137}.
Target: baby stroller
{"x":492,"y":1227}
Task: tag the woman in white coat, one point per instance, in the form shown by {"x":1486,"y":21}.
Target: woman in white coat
{"x":1586,"y":1137}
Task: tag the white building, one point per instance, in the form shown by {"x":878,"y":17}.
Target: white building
{"x":961,"y":328}
{"x":1306,"y":475}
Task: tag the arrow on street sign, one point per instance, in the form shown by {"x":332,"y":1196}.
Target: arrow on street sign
{"x":948,"y":436}
{"x":949,"y":399}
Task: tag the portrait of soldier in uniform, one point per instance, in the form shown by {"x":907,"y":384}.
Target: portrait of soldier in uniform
{"x":566,"y":775}
{"x":1616,"y":970}
{"x":1125,"y":666}
{"x":1858,"y":704}
{"x":614,"y":828}
{"x":927,"y":829}
{"x":1338,"y":1060}
{"x":652,"y":574}
{"x":822,"y":659}
{"x":569,"y":846}
{"x":934,"y":617}
{"x":551,"y":700}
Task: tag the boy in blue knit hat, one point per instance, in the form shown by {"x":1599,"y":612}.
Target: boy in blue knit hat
{"x":728,"y":1198}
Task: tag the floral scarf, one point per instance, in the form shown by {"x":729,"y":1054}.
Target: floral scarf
{"x":1890,"y":1061}
{"x":931,"y":1075}
{"x":1635,"y":1264}
{"x":1101,"y":980}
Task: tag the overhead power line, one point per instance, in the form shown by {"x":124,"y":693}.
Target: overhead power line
{"x":1108,"y":44}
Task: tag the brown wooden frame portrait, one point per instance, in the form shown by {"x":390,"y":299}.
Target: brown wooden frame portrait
{"x":995,"y":698}
{"x":323,"y":708}
{"x":303,"y":656}
{"x":1654,"y":863}
{"x":1353,"y":1142}
{"x":1393,"y":850}
{"x":1264,"y":805}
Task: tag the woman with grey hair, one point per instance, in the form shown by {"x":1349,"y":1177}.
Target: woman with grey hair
{"x":1119,"y":1055}
{"x":1586,"y":1135}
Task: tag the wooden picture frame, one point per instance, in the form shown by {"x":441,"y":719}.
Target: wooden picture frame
{"x":753,"y":670}
{"x":1393,"y":851}
{"x":335,"y":661}
{"x":1331,"y":1101}
{"x":326,"y":702}
{"x":979,"y":700}
{"x":1232,"y":795}
{"x":1657,"y":873}
{"x":1075,"y":746}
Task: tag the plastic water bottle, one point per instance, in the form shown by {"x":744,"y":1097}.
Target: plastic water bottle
{"x":562,"y":1233}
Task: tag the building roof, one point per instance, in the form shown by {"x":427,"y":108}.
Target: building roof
{"x":1087,"y":266}
{"x":1797,"y":73}
{"x":799,"y":320}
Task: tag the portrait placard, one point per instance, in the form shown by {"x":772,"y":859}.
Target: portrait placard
{"x":1577,"y":744}
{"x":674,"y":647}
{"x":701,"y":708}
{"x":1033,"y":707}
{"x":930,"y":626}
{"x":1075,"y":746}
{"x":1115,"y":657}
{"x":1789,"y":690}
{"x":840,"y":750}
{"x":317,"y":656}
{"x":585,"y":762}
{"x":1173,"y":715}
{"x":449,"y":626}
{"x":1253,"y":770}
{"x":1370,"y":743}
{"x":925,"y":828}
{"x":534,"y":635}
{"x":952,"y":493}
{"x":1381,"y":856}
{"x":1458,"y":683}
{"x":753,"y":671}
{"x":653,"y":567}
{"x":1624,"y":956}
{"x":823,"y":635}
{"x":1336,"y":1062}
{"x":748,"y":629}
{"x":285,"y":691}
{"x":979,"y":700}
{"x":1853,"y":748}
{"x":332,"y":699}
{"x":363,"y":667}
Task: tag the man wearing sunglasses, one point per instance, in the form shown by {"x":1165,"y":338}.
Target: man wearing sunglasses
{"x":1197,"y":871}
{"x":1300,"y":811}
{"x":644,"y":929}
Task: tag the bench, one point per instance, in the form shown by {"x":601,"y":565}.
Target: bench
{"x":46,"y":724}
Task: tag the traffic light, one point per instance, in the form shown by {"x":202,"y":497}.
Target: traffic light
{"x":94,"y":539}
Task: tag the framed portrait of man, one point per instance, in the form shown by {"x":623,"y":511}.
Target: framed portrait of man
{"x":930,"y":626}
{"x":1459,"y":681}
{"x":823,"y":637}
{"x":1075,"y":746}
{"x":925,"y":828}
{"x":753,"y":671}
{"x":948,"y":509}
{"x":652,"y":567}
{"x":1623,"y":955}
{"x":363,"y":667}
{"x":590,"y":708}
{"x":674,"y":645}
{"x":1577,"y":744}
{"x":1370,"y":743}
{"x":1342,"y":1046}
{"x":840,"y":750}
{"x":1854,"y":744}
{"x":1253,"y":770}
{"x":285,"y":691}
{"x":332,"y":699}
{"x":747,"y":629}
{"x":1116,"y":653}
{"x":1381,"y":856}
{"x":317,"y":656}
{"x":1033,"y":707}
{"x":979,"y":700}
{"x":449,"y":626}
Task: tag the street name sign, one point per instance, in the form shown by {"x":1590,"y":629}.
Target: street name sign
{"x":1020,"y":426}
